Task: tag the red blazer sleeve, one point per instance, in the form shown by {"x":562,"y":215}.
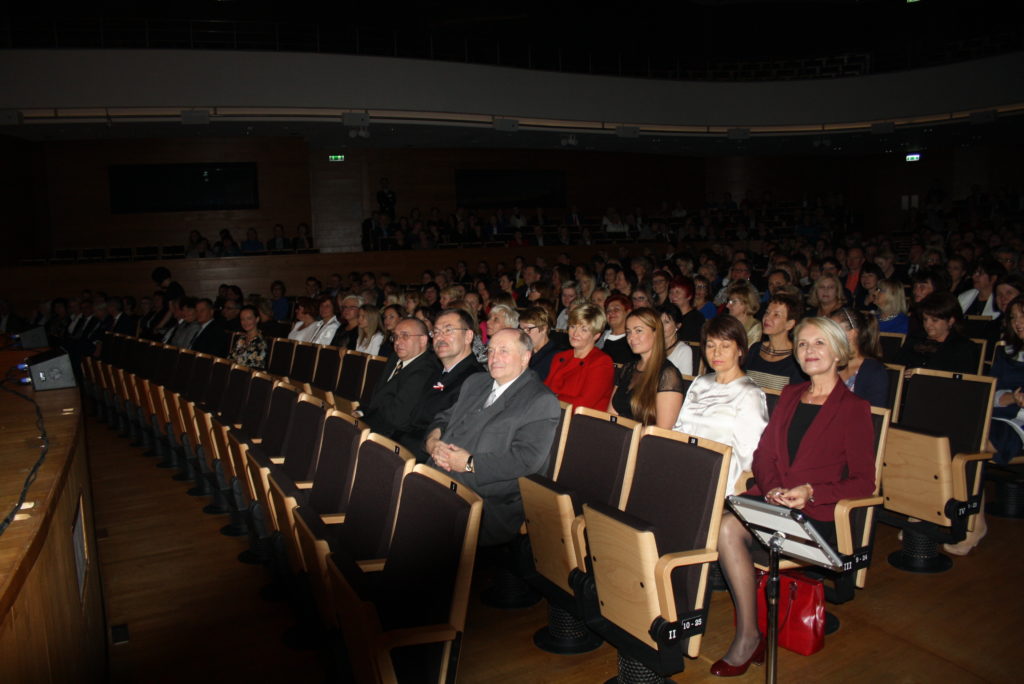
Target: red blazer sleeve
{"x":582,"y":382}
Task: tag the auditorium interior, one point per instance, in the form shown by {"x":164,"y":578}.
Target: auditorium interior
{"x":151,"y":498}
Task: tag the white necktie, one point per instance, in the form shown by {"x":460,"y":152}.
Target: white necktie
{"x":491,"y":397}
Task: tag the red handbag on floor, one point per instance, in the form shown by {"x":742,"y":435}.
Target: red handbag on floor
{"x":801,"y":612}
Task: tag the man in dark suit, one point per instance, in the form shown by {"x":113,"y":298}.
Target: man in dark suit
{"x":212,"y":338}
{"x":500,"y":429}
{"x":121,"y":323}
{"x":453,"y":345}
{"x":405,"y":381}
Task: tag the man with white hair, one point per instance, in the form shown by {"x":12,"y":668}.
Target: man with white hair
{"x":500,"y":429}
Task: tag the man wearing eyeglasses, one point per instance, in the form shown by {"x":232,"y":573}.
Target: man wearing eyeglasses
{"x":453,"y":346}
{"x":404,"y":382}
{"x":499,"y":429}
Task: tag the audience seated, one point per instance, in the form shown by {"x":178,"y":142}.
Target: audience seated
{"x":941,"y":346}
{"x":250,"y":348}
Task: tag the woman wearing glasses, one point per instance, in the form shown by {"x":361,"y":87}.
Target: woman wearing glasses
{"x":742,"y":303}
{"x":536,"y":322}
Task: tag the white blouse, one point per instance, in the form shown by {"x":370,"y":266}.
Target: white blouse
{"x":682,"y":358}
{"x":372,"y":345}
{"x":305,"y":334}
{"x":325,"y":331}
{"x":734,"y":414}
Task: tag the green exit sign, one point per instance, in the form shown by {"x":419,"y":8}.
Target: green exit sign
{"x":335,"y":157}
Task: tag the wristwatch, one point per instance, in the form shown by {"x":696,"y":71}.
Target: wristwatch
{"x":469,"y":464}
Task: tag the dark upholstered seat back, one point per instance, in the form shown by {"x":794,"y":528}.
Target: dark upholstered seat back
{"x":302,"y":441}
{"x":953,"y":406}
{"x":594,"y":460}
{"x":280,"y":361}
{"x":275,"y":424}
{"x":256,"y":405}
{"x":374,"y":369}
{"x":303,"y":363}
{"x":218,"y":382}
{"x":674,"y":489}
{"x":373,"y":502}
{"x":335,"y":466}
{"x":350,"y":380}
{"x":178,"y":381}
{"x":424,"y":552}
{"x":890,"y":346}
{"x":199,"y":378}
{"x":328,"y":364}
{"x":233,"y":401}
{"x":166,"y":366}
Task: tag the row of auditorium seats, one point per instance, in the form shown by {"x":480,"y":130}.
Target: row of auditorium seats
{"x":343,"y":518}
{"x":323,"y":501}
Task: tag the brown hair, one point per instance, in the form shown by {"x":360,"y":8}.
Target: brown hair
{"x":643,"y":399}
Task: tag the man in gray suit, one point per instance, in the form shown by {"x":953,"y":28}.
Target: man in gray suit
{"x":500,"y":429}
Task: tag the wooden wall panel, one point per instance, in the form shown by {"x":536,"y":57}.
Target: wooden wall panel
{"x":48,"y":631}
{"x":339,"y":199}
{"x":79,"y":194}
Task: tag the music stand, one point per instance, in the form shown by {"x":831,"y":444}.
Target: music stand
{"x":785,"y":532}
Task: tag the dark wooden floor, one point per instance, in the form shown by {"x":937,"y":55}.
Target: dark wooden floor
{"x":194,"y":612}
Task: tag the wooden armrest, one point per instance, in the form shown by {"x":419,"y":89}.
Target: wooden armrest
{"x":332,"y":518}
{"x":412,"y":636}
{"x":371,"y":564}
{"x":304,"y":484}
{"x":523,"y":531}
{"x":844,"y":533}
{"x":959,"y":473}
{"x":277,"y":460}
{"x":579,"y":542}
{"x":255,"y":440}
{"x":663,"y":573}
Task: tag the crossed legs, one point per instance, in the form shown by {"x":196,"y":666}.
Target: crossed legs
{"x":734,"y":543}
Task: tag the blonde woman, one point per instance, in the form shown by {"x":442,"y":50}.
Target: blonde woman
{"x":742,"y":301}
{"x":892,"y":307}
{"x":827,"y":296}
{"x":371,"y":332}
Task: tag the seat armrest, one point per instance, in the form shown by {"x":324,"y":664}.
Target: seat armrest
{"x":959,"y":473}
{"x":332,"y":518}
{"x":304,"y":484}
{"x":277,"y":460}
{"x":371,"y":564}
{"x":413,"y":636}
{"x":579,"y":542}
{"x":254,"y":440}
{"x":844,"y":531}
{"x":663,"y":572}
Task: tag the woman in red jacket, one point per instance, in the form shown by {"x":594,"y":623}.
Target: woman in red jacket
{"x":583,"y":375}
{"x":818,"y":448}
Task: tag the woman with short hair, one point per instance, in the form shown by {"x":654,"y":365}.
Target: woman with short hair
{"x":536,"y":322}
{"x":681,"y":293}
{"x":583,"y":375}
{"x":305,"y":320}
{"x":941,"y":346}
{"x":817,"y":449}
{"x":770,"y":362}
{"x":891,"y":301}
{"x":613,"y":342}
{"x":826,"y":296}
{"x":250,"y":348}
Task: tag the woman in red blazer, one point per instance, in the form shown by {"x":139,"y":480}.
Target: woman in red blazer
{"x":832,"y":458}
{"x":583,"y":375}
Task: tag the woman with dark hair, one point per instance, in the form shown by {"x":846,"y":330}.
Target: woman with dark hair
{"x":956,"y":269}
{"x":625,"y":282}
{"x":641,"y":297}
{"x":389,"y":317}
{"x":278,"y":301}
{"x":328,"y":325}
{"x":870,"y":275}
{"x":250,"y":348}
{"x":536,"y":322}
{"x":613,"y":342}
{"x":725,"y":405}
{"x":770,"y":363}
{"x":648,"y":389}
{"x":1007,"y":431}
{"x":680,"y":293}
{"x":703,"y":297}
{"x":817,"y":449}
{"x":583,"y":375}
{"x":978,"y":301}
{"x":678,"y":352}
{"x":864,"y":374}
{"x":305,"y":320}
{"x":941,"y":347}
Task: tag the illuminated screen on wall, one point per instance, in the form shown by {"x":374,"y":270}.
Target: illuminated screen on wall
{"x":146,"y":188}
{"x":486,"y":188}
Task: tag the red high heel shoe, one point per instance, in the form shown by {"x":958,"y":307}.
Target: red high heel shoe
{"x":724,"y":669}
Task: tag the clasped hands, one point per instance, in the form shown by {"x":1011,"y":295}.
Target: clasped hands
{"x":448,"y":457}
{"x":795,"y":497}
